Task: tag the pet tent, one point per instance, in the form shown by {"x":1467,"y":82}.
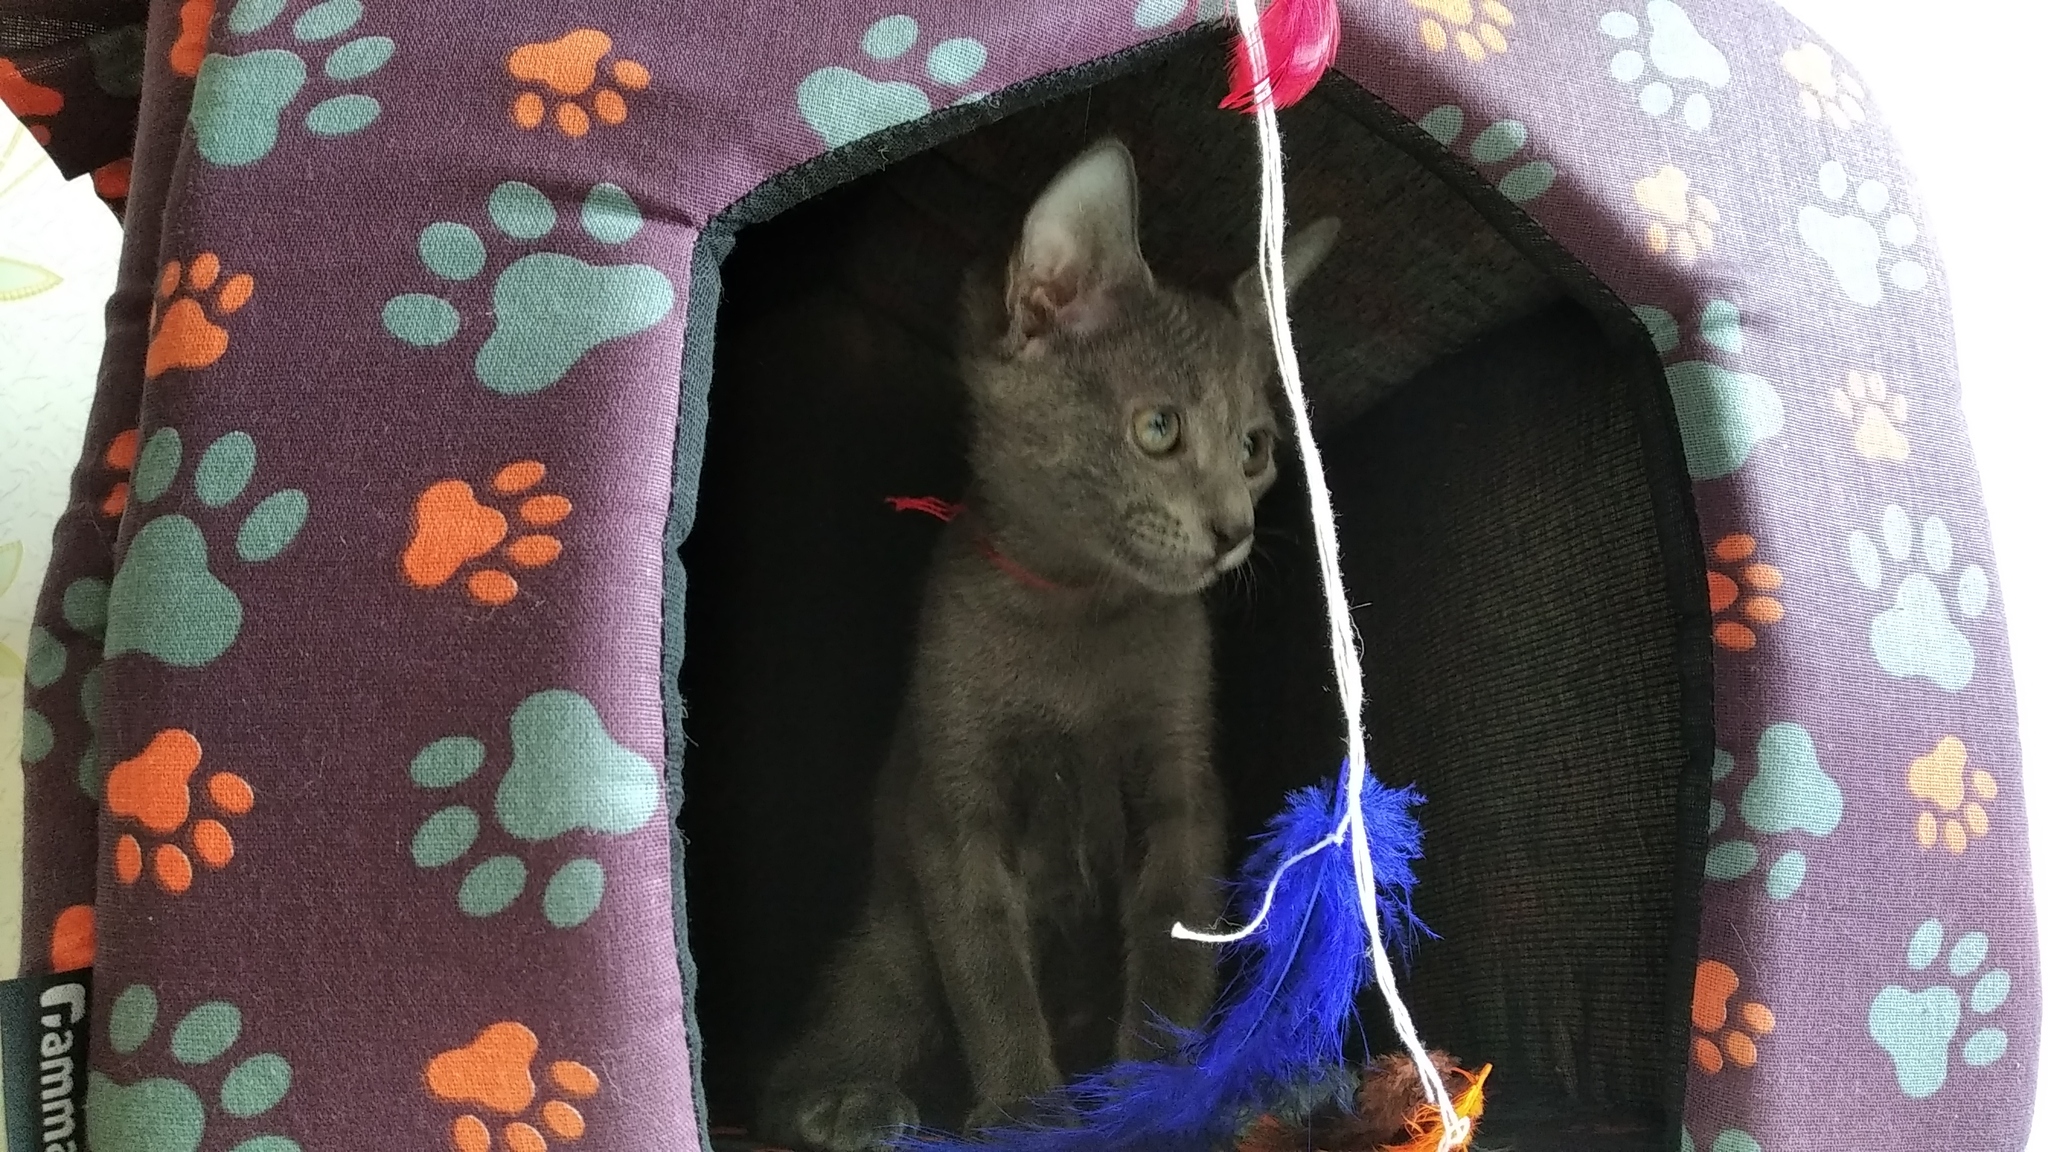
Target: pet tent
{"x":369,"y":771}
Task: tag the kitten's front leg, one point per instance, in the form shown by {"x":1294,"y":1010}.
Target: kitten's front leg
{"x":1178,"y":810}
{"x":976,"y":913}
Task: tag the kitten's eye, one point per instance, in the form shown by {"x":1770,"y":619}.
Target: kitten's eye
{"x":1257,"y":449}
{"x":1156,"y":430}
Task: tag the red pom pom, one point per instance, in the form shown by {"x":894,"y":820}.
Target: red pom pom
{"x":1301,"y":41}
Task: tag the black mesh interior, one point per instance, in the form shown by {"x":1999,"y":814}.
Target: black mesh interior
{"x":1517,"y":533}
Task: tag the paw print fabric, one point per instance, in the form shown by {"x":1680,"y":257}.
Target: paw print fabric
{"x":275,"y":596}
{"x":75,"y":84}
{"x":1746,"y":203}
{"x":356,"y":625}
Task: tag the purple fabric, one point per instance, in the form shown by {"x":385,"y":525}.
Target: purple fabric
{"x":1898,"y":976}
{"x":399,"y":578}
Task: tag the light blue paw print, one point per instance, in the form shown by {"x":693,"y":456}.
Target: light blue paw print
{"x":567,"y":775}
{"x":842,"y":105}
{"x":166,"y":600}
{"x":1916,"y":636}
{"x":1730,"y":1140}
{"x":84,"y":608}
{"x":45,"y":665}
{"x":1722,"y":414}
{"x":1494,"y":147}
{"x":239,"y":102}
{"x":1789,"y":793}
{"x":206,"y":1092}
{"x":1861,"y":256}
{"x":549,"y":309}
{"x":1918,"y":1029}
{"x":48,"y":661}
{"x":1150,"y":14}
{"x":1678,"y":53}
{"x":91,"y":689}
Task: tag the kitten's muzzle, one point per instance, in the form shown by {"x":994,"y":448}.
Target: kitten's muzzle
{"x":1233,"y":544}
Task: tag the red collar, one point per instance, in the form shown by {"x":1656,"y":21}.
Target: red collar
{"x":946,"y":510}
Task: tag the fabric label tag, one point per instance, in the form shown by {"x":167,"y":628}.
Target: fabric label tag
{"x":43,"y":1024}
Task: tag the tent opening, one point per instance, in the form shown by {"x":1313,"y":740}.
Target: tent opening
{"x":1518,"y":538}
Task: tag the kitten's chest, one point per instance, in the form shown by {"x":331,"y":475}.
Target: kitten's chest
{"x":1068,"y":823}
{"x":1078,"y":707}
{"x":1109,"y":682}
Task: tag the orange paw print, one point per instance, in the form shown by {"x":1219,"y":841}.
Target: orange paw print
{"x":451,"y":528}
{"x":154,"y":790}
{"x":1478,"y":30}
{"x":184,"y":337}
{"x":1713,"y":986}
{"x":73,"y":939}
{"x":120,"y":458}
{"x":110,"y":180}
{"x":1745,"y":591}
{"x":1956,"y":794}
{"x":494,"y":1073}
{"x":25,"y":98}
{"x":1681,"y":220}
{"x":568,"y":68}
{"x":1877,"y":414}
{"x":194,"y":17}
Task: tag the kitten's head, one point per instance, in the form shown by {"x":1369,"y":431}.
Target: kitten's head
{"x":1125,"y":427}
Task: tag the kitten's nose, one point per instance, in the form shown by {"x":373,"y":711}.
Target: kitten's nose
{"x":1229,"y":536}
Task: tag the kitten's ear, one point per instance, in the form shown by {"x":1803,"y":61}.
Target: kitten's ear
{"x":1303,"y":251}
{"x":1079,"y":247}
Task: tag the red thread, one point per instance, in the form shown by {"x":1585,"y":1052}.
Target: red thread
{"x":1301,"y":42}
{"x":946,"y":510}
{"x":931,"y":506}
{"x":1011,"y":568}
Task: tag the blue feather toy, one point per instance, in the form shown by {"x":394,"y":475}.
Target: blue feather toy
{"x":1278,"y":1036}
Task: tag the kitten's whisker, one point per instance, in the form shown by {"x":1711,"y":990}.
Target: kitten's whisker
{"x":1287,"y":534}
{"x":1252,"y":563}
{"x":1241,"y":584}
{"x":1262,"y":555}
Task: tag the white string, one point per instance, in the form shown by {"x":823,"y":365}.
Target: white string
{"x":1183,"y":932}
{"x":1343,"y":637}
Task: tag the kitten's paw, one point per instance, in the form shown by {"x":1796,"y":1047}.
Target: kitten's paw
{"x":988,"y":1114}
{"x":853,"y":1117}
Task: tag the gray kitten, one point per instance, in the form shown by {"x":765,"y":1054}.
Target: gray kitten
{"x":1049,"y":797}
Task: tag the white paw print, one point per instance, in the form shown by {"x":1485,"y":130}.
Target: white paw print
{"x":1918,"y":1030}
{"x":1917,"y":635}
{"x":1861,"y":258}
{"x":1677,"y":53}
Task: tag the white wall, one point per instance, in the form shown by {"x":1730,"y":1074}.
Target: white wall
{"x":1961,"y":87}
